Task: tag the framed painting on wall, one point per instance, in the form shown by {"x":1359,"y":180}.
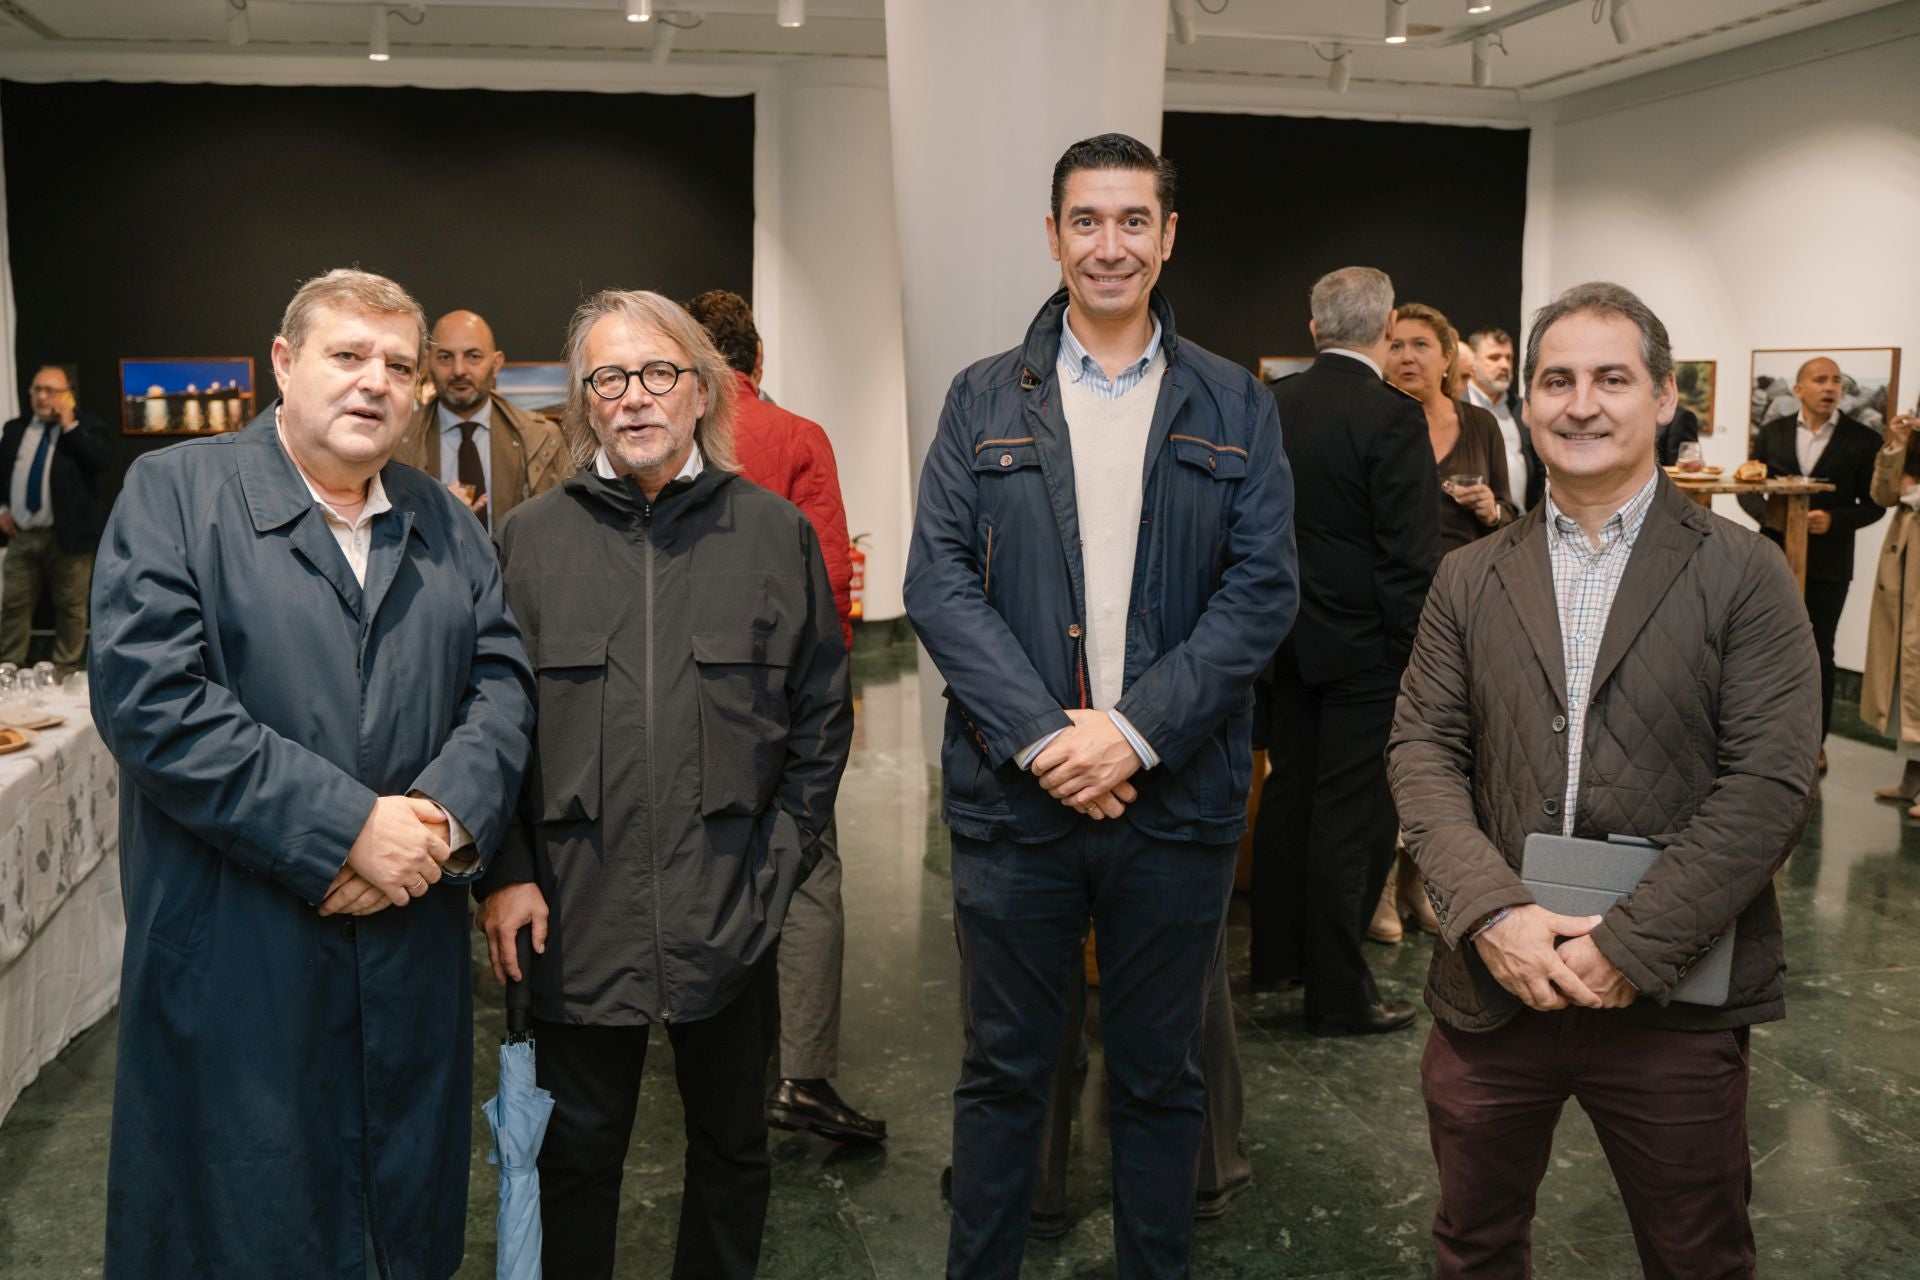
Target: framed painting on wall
{"x":1695,"y":379}
{"x":188,"y":397}
{"x":1274,"y":368}
{"x":538,"y":386}
{"x":1870,"y":379}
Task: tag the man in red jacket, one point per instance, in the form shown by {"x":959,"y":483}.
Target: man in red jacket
{"x":791,"y":456}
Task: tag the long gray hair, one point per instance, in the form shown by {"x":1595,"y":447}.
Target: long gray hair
{"x":713,"y":433}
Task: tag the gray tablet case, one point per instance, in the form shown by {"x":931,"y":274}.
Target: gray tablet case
{"x":1577,"y":877}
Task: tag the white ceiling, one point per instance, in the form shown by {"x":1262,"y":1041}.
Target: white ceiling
{"x":1552,"y":47}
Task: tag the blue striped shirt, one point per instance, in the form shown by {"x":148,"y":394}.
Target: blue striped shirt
{"x":1078,"y":366}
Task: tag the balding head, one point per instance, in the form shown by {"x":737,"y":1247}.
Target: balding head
{"x":1817,"y":386}
{"x":464,"y":362}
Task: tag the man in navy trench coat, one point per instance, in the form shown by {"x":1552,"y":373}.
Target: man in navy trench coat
{"x":321,"y":708}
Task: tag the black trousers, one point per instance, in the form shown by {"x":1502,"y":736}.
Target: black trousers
{"x":1825,"y":600}
{"x":720,"y":1065}
{"x":1324,"y":840}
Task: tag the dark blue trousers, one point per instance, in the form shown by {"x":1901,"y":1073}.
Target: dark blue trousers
{"x":1020,"y":912}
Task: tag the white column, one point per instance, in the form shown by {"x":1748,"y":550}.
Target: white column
{"x":985,"y":95}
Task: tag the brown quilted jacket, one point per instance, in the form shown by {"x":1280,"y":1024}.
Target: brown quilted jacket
{"x":1701,"y":735}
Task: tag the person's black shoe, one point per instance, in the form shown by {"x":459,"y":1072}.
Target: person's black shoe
{"x":811,"y":1106}
{"x":1040,"y":1226}
{"x":1212,"y":1204}
{"x":1378,"y":1017}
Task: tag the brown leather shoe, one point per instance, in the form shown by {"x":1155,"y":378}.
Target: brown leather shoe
{"x":1377,"y":1018}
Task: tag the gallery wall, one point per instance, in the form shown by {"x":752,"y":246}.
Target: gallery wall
{"x":156,"y":220}
{"x":1768,"y":199}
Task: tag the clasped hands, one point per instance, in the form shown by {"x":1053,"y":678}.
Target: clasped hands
{"x":1087,"y":766}
{"x":396,"y":857}
{"x":1548,"y":961}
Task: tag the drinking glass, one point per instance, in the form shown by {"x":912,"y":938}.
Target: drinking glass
{"x":1690,"y":459}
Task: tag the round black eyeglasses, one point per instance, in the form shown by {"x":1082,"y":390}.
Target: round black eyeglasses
{"x":609,"y":381}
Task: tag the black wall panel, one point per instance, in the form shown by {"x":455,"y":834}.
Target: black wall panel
{"x":177,"y":220}
{"x":1268,"y":204}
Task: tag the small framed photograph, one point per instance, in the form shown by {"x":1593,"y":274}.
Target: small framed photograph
{"x":1695,"y":379}
{"x":537,"y":386}
{"x":188,"y":397}
{"x":1870,"y":378}
{"x":1274,"y":368}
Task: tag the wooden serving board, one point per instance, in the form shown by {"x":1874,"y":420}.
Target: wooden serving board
{"x":12,"y":740}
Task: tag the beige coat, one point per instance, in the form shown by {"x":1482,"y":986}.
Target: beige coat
{"x":1893,"y":630}
{"x":527,"y":453}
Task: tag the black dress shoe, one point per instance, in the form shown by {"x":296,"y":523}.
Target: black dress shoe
{"x":1378,"y":1017}
{"x":812,"y":1106}
{"x":1040,"y":1226}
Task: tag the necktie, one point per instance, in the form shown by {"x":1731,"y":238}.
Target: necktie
{"x":471,"y":472}
{"x":37,"y":472}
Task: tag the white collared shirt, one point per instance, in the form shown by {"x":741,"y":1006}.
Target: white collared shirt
{"x":693,"y":466}
{"x":1511,"y":429}
{"x":450,"y":424}
{"x":37,"y":429}
{"x":1351,"y":354}
{"x":1809,"y":444}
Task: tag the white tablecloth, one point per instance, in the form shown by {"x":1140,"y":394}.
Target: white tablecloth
{"x":60,"y":912}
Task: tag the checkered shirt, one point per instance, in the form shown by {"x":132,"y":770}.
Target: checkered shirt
{"x":1585,"y":580}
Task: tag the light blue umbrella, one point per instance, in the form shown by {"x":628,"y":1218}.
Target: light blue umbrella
{"x":518,"y":1116}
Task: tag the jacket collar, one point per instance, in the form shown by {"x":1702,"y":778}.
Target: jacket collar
{"x":623,"y":497}
{"x":1041,"y":351}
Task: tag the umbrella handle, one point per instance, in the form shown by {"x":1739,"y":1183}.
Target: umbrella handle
{"x":520,"y":994}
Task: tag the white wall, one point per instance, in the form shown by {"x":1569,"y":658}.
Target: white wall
{"x":1765,"y":199}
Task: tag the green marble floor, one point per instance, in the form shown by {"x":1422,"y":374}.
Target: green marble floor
{"x":1343,"y":1183}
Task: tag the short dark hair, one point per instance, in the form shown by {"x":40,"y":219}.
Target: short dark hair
{"x":1115,"y":151}
{"x":728,"y":320}
{"x":70,"y":370}
{"x":1478,"y":336}
{"x":1601,"y":297}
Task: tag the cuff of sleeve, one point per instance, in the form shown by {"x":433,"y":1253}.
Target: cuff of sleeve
{"x":463,"y":858}
{"x":1034,"y":748}
{"x":1139,"y":744}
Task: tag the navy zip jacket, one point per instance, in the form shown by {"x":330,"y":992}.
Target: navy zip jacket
{"x":996,"y":589}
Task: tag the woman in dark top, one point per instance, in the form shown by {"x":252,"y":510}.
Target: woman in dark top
{"x":1466,"y":439}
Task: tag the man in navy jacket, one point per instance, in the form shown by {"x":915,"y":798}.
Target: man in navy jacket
{"x":1102,"y":562}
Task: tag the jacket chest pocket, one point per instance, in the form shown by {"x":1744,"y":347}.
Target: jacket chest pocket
{"x":1206,"y":476}
{"x":1003,"y":472}
{"x":742,"y":675}
{"x":570,"y":670}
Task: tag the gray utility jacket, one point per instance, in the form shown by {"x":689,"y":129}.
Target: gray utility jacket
{"x":693,"y":725}
{"x":1702,"y":729}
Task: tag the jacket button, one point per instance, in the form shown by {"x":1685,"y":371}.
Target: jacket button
{"x":1549,"y":807}
{"x":1074,"y":630}
{"x":346,"y":931}
{"x":1210,"y":462}
{"x":1006,"y":459}
{"x":1559,"y":724}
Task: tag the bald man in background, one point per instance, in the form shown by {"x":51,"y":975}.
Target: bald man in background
{"x":470,"y":436}
{"x":1826,"y":444}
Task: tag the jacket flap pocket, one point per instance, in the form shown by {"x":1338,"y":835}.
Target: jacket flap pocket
{"x":570,"y":649}
{"x":1005,"y":455}
{"x":1222,"y":462}
{"x":768,"y":648}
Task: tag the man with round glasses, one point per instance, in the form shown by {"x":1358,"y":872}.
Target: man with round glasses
{"x":693,"y":725}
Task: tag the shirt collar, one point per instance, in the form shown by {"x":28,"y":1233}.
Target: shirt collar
{"x":376,"y":502}
{"x":1624,"y":523}
{"x":1349,"y":353}
{"x":450,"y":421}
{"x":1832,"y":419}
{"x":1079,"y":364}
{"x":694,"y":465}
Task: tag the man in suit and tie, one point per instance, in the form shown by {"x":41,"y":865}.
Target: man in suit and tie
{"x":1825,"y":444}
{"x":1368,"y":528}
{"x":1491,"y":387}
{"x":472,"y":437}
{"x":51,"y":515}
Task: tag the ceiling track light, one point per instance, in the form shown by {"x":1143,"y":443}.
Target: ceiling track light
{"x":377,"y":48}
{"x":639,"y":10}
{"x":239,"y":29}
{"x":663,"y":34}
{"x":1340,"y":69}
{"x":1626,"y":24}
{"x":1482,"y":67}
{"x":1184,"y":29}
{"x":1479,"y":6}
{"x":1396,"y":21}
{"x":791,"y":13}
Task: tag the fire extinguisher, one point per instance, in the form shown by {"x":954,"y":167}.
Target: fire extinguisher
{"x":857,"y":582}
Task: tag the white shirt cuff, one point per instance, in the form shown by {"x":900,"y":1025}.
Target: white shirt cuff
{"x":463,"y":857}
{"x":1139,"y":744}
{"x":1035,"y":747}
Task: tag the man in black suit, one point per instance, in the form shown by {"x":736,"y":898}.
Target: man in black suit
{"x":1491,"y":387}
{"x":1825,"y":444}
{"x":1367,"y":523}
{"x":51,"y":515}
{"x":1684,"y":427}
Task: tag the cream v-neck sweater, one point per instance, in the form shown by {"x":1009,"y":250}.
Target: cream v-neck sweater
{"x":1109,"y":441}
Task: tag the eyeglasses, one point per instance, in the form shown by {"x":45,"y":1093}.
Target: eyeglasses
{"x":609,"y":381}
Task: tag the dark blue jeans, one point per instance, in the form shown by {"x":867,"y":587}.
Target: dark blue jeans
{"x":1020,"y":910}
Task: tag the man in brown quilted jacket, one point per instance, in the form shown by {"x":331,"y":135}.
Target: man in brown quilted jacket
{"x":1618,"y":662}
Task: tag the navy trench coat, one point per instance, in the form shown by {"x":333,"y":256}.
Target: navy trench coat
{"x":290,"y":1086}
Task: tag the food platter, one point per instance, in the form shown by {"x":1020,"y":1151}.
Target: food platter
{"x":12,"y":740}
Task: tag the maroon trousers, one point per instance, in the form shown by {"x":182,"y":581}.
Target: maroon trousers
{"x":1670,"y":1108}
